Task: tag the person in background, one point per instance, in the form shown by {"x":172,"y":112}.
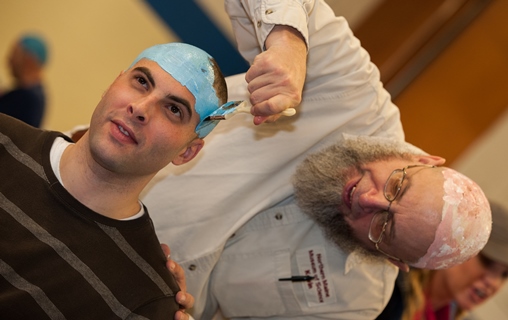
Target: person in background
{"x":27,"y":100}
{"x":448,"y":294}
{"x":75,"y":240}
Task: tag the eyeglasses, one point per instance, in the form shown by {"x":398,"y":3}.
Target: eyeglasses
{"x":391,"y":191}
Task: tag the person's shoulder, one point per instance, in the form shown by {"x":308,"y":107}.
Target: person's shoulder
{"x":8,"y":123}
{"x":15,"y":93}
{"x":20,"y":132}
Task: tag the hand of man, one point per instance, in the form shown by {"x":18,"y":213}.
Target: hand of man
{"x":185,"y":299}
{"x":276,"y":77}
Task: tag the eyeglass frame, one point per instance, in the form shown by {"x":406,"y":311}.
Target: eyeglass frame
{"x":387,"y":211}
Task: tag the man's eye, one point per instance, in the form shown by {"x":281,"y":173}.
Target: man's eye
{"x":175,"y":110}
{"x":142,"y":81}
{"x":392,"y":187}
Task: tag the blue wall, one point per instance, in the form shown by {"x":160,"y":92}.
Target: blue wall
{"x":193,"y":26}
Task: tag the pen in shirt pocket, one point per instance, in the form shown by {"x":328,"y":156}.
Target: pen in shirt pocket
{"x":297,"y":278}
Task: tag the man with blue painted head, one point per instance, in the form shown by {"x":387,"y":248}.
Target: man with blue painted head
{"x":83,"y":215}
{"x":168,"y":92}
{"x":195,"y":70}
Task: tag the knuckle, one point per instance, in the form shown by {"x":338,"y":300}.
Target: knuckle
{"x":272,"y":107}
{"x":255,"y":97}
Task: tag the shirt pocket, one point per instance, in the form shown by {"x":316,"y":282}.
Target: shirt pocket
{"x":251,"y":284}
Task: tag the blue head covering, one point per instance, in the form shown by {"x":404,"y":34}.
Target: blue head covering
{"x":36,"y":46}
{"x":192,"y":68}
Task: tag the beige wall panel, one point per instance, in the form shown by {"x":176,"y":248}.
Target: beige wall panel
{"x":91,"y":42}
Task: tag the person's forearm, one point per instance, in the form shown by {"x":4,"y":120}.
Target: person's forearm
{"x":286,"y":36}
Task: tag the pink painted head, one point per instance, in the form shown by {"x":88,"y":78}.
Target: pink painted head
{"x":465,"y":225}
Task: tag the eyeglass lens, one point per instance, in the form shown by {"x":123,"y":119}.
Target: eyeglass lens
{"x":394,"y":184}
{"x":377,"y":224}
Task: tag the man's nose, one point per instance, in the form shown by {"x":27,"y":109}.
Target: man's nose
{"x":140,"y":109}
{"x":372,"y":201}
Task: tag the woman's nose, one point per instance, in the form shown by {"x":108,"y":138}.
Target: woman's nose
{"x":493,"y":282}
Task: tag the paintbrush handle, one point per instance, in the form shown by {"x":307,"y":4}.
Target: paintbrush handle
{"x":289,"y":112}
{"x":245,"y":107}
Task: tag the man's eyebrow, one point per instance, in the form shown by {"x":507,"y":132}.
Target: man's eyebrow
{"x":402,"y":191}
{"x":147,"y":73}
{"x":401,"y":194}
{"x":392,"y":227}
{"x":408,"y":180}
{"x":182,"y":101}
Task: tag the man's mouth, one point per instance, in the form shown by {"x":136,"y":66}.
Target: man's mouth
{"x":125,"y":131}
{"x":122,"y":130}
{"x":349,"y":193}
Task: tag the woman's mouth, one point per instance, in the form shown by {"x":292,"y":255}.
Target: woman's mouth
{"x":480,"y":293}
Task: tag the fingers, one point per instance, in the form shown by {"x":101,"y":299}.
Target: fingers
{"x":183,"y":298}
{"x":269,"y":99}
{"x":178,"y":273}
{"x":274,"y":90}
{"x":277,"y":75}
{"x":264,"y":119}
{"x":181,"y":315}
{"x":272,"y":109}
{"x":166,"y":250}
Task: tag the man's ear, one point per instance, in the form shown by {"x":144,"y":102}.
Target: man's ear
{"x":432,"y":160}
{"x":190,"y":152}
{"x":401,"y":265}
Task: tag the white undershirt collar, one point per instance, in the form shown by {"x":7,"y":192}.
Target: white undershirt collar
{"x":55,"y":155}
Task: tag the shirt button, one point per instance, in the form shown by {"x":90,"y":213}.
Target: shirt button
{"x":269,"y":11}
{"x":259,"y":24}
{"x":278,"y":216}
{"x":192,"y":267}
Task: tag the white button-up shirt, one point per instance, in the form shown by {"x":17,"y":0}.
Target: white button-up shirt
{"x":229,"y":215}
